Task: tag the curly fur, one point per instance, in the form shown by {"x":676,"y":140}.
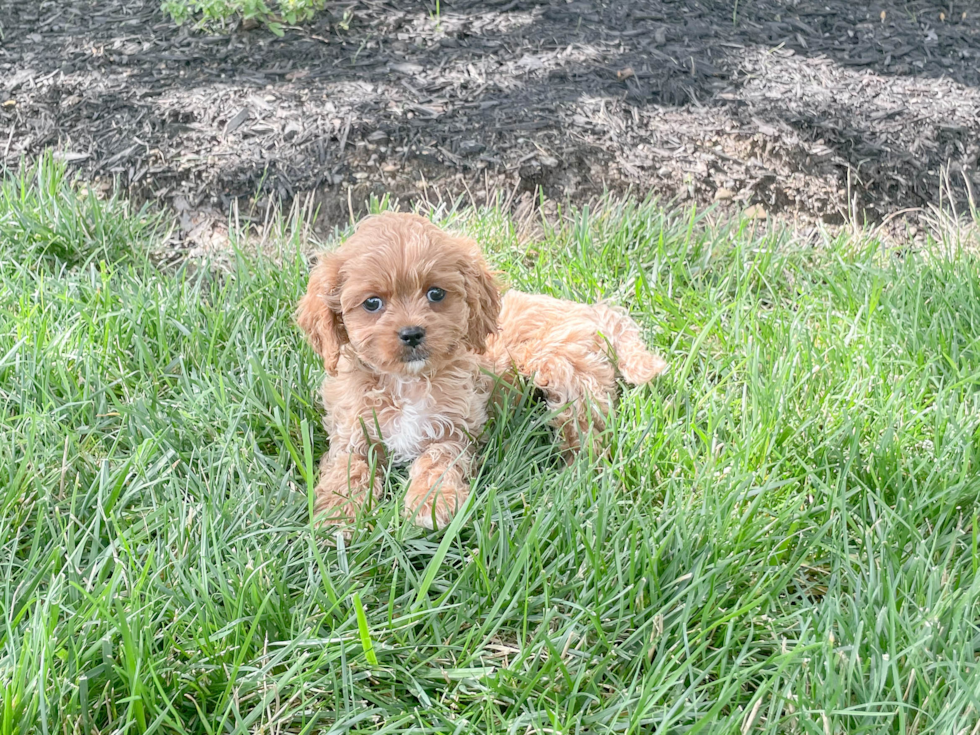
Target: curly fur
{"x":571,"y":352}
{"x":426,"y":403}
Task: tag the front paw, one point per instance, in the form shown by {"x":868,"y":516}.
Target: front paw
{"x":346,"y":484}
{"x":333,"y":508}
{"x":434,"y":507}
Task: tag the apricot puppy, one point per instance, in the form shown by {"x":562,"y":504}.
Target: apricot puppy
{"x":405,"y":318}
{"x":400,"y":314}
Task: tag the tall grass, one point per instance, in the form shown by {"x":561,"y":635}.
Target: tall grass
{"x":785,"y":538}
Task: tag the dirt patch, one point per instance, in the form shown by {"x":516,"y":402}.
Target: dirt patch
{"x":804,"y":109}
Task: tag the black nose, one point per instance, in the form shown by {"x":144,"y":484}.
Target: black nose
{"x":411,"y":336}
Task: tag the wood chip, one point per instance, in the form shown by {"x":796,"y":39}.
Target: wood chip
{"x":236,"y":121}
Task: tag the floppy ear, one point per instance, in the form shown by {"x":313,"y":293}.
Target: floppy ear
{"x":318,"y":313}
{"x":483,"y":300}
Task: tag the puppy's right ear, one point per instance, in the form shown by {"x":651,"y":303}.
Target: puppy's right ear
{"x":318,"y":313}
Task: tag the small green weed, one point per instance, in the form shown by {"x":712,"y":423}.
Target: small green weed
{"x":218,"y":13}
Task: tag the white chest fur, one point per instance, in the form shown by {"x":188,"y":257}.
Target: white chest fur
{"x":410,"y":425}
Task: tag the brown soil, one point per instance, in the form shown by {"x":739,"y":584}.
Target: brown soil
{"x":808,"y":109}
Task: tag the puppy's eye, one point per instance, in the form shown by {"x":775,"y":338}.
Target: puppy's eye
{"x":435,"y":295}
{"x":373,"y":304}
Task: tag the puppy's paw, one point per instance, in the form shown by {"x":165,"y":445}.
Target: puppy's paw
{"x":346,"y":484}
{"x":434,"y":507}
{"x":574,"y":442}
{"x":333,"y":510}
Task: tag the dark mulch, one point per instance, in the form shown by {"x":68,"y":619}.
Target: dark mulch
{"x":805,"y":108}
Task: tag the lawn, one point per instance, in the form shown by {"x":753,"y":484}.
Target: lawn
{"x":785,"y":539}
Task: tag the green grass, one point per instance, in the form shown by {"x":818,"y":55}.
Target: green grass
{"x":786,"y":538}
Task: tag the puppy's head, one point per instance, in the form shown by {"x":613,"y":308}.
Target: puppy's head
{"x":404,"y":294}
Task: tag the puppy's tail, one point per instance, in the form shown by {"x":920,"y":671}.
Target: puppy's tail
{"x":634,"y":361}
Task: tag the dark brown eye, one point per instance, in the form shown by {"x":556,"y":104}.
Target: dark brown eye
{"x":435,"y":295}
{"x":373,"y":304}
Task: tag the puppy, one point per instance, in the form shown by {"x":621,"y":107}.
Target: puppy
{"x":405,"y":318}
{"x":400,"y":314}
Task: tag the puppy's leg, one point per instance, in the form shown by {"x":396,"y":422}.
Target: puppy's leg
{"x":635,"y":362}
{"x":439,"y":483}
{"x":348,"y":478}
{"x":580,"y":386}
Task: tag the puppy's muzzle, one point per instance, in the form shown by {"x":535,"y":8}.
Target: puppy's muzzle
{"x":411,"y":336}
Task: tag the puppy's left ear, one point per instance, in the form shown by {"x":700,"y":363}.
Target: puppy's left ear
{"x":483,"y":300}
